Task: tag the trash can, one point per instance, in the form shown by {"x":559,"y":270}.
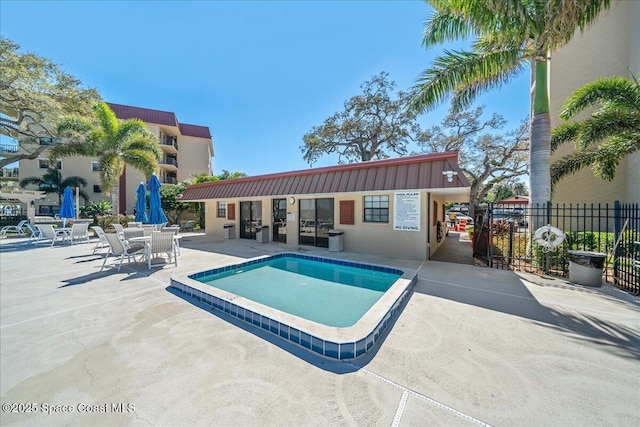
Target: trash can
{"x":229,"y":231}
{"x":585,"y":268}
{"x":336,"y":240}
{"x":262,"y":233}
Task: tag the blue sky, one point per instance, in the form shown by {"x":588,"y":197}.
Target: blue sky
{"x":258,"y":74}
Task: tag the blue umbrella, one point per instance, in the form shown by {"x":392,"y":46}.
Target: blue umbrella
{"x":141,"y":204}
{"x":156,"y":215}
{"x":68,"y":208}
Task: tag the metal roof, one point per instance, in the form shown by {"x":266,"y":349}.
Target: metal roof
{"x":166,"y":118}
{"x":420,"y":172}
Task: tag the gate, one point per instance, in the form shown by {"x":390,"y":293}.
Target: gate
{"x":503,"y":238}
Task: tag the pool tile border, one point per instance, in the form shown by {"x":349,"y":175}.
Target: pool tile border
{"x":334,"y":343}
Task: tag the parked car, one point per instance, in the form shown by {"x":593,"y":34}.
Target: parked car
{"x":468,"y":218}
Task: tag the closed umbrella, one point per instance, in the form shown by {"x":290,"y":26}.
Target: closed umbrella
{"x":68,"y":208}
{"x":156,"y":215}
{"x":141,"y":204}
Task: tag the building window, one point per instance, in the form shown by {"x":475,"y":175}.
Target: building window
{"x":95,"y":167}
{"x":376,"y":208}
{"x":222,"y":209}
{"x":97,"y":189}
{"x":44,"y":164}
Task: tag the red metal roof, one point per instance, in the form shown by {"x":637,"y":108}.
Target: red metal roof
{"x":195,"y":130}
{"x":147,"y":115}
{"x":407,"y":173}
{"x":166,"y":118}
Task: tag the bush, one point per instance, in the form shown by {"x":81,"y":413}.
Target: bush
{"x":107,"y":221}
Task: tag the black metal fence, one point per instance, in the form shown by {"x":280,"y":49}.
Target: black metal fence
{"x":504,"y":238}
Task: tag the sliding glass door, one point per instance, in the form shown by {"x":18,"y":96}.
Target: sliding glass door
{"x":250,"y":217}
{"x":316,"y":219}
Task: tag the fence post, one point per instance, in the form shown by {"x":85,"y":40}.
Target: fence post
{"x":490,"y":234}
{"x":617,"y":225}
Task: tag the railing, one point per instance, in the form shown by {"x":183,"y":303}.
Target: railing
{"x":9,"y":173}
{"x":173,"y":141}
{"x":9,"y":148}
{"x":170,"y":180}
{"x":503,"y":238}
{"x":169,"y":161}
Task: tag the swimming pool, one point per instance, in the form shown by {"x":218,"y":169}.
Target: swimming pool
{"x":356,"y":305}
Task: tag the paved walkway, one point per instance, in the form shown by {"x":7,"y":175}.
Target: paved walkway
{"x":456,"y":248}
{"x":472,"y":346}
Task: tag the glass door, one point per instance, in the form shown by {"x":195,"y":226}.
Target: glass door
{"x":250,"y":217}
{"x":316,"y":219}
{"x":280,"y":220}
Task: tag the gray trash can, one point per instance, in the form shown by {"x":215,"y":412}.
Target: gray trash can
{"x":585,"y":268}
{"x":336,"y":240}
{"x":262,"y":233}
{"x":229,"y":231}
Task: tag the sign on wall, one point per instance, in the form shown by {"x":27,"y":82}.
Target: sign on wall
{"x":406,"y":211}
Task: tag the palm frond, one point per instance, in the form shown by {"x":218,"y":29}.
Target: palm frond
{"x":130,"y":127}
{"x":560,"y":19}
{"x":73,"y":125}
{"x":70,"y":149}
{"x":611,"y":153}
{"x":444,"y":26}
{"x":143,"y":142}
{"x":106,"y":118}
{"x":605,"y":124}
{"x":143,"y":160}
{"x":571,"y":164}
{"x":619,"y":91}
{"x":465,"y":72}
{"x":564,"y":133}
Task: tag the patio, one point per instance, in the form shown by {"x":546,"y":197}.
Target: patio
{"x":472,"y":346}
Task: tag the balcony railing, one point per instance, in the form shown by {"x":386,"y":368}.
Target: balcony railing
{"x":169,"y":161}
{"x":171,"y":140}
{"x":170,"y":180}
{"x":9,"y":173}
{"x":9,"y":148}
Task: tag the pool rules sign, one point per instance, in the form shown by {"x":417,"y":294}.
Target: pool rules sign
{"x":406,"y":211}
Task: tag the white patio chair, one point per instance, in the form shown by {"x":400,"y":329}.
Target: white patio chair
{"x":148,"y":229}
{"x":15,"y":229}
{"x":129,"y":233}
{"x":102,"y":241}
{"x":134,"y":224}
{"x":161,"y":243}
{"x":34,"y":232}
{"x":80,"y":232}
{"x":118,"y":247}
{"x":175,"y":229}
{"x":118,"y":227}
{"x":48,"y":233}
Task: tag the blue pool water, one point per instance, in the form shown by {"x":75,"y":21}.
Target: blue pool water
{"x":330,"y":294}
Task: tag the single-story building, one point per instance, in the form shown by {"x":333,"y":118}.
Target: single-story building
{"x":390,"y":207}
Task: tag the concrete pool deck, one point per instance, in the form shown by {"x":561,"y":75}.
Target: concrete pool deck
{"x":472,"y":346}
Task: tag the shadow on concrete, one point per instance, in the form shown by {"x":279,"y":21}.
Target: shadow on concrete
{"x":505,"y":292}
{"x":456,"y":248}
{"x":324,"y":363}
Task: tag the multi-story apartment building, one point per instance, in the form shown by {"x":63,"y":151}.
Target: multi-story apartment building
{"x":186,"y":151}
{"x":608,"y":48}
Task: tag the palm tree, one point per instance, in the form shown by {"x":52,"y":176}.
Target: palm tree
{"x":52,"y":182}
{"x":509,"y":35}
{"x":604,"y":139}
{"x":114,"y":142}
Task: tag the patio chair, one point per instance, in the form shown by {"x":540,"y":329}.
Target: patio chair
{"x":118,"y":227}
{"x":48,"y":233}
{"x":117,"y":247}
{"x":16,"y":229}
{"x":34,"y":231}
{"x":162,"y":242}
{"x":102,"y":241}
{"x":80,"y":232}
{"x":148,"y":229}
{"x":129,"y":233}
{"x":134,"y":224}
{"x":175,"y":229}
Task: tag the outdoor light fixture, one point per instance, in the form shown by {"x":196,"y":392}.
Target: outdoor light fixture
{"x":450,"y":175}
